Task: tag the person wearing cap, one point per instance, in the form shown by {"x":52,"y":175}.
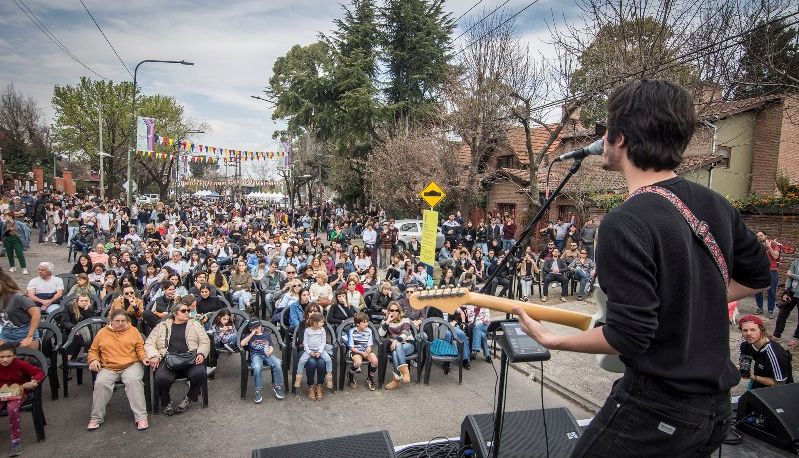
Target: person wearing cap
{"x":84,"y":240}
{"x":259,"y":343}
{"x":763,"y":361}
{"x":178,"y":334}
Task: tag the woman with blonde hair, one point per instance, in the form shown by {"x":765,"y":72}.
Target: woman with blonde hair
{"x":396,"y":328}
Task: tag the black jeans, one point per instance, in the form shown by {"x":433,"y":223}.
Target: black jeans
{"x":785,"y":310}
{"x":317,"y":366}
{"x":564,"y":283}
{"x":641,"y":418}
{"x":164,"y":378}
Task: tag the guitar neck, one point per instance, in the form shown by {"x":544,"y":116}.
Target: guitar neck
{"x":539,"y":312}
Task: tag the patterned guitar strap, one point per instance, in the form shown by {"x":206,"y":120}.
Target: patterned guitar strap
{"x":699,"y":228}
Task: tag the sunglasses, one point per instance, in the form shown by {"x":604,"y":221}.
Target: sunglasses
{"x":290,"y":272}
{"x":129,"y":293}
{"x":183,"y":310}
{"x":393,"y":310}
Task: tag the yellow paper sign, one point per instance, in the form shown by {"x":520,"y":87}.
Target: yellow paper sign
{"x":432,"y":194}
{"x":427,"y":253}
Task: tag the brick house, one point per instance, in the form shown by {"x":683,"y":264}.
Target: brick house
{"x":738,"y":149}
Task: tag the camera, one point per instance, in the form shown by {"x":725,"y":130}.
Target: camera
{"x":745,"y":364}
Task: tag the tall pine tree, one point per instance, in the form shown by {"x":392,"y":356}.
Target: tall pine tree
{"x":770,"y":61}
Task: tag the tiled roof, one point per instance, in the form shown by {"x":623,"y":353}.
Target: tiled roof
{"x":690,"y":163}
{"x":516,"y":143}
{"x":591,"y":177}
{"x":722,"y":109}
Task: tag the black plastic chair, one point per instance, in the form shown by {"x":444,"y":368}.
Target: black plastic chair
{"x":238,"y":318}
{"x":69,"y":280}
{"x":413,"y":356}
{"x":344,"y":359}
{"x":435,"y":328}
{"x":246,"y":368}
{"x":52,"y":339}
{"x":97,"y":304}
{"x":296,"y":341}
{"x":156,"y":399}
{"x":93,"y":325}
{"x":56,"y":313}
{"x":33,"y":399}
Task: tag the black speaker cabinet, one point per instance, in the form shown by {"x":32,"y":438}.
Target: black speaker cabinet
{"x":771,"y":414}
{"x":369,"y":445}
{"x":523,"y":433}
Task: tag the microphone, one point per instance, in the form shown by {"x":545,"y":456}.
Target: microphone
{"x":594,"y":149}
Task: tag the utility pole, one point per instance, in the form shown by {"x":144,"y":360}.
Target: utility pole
{"x":100,"y":153}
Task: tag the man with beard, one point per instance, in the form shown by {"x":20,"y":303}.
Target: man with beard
{"x":668,"y":281}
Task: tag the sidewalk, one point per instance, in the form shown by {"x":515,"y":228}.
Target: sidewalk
{"x":578,"y":378}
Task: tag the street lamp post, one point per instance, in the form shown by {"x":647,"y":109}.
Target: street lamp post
{"x":129,"y":194}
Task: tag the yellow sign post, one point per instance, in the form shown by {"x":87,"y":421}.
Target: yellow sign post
{"x":427,"y":253}
{"x":432,"y":194}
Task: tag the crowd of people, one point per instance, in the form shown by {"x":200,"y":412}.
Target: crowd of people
{"x":170,"y":279}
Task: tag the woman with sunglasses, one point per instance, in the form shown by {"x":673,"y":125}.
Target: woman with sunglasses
{"x":130,"y":302}
{"x":178,"y":334}
{"x":397,"y":329}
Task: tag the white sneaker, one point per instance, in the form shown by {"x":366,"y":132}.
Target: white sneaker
{"x":12,"y":269}
{"x":24,"y":271}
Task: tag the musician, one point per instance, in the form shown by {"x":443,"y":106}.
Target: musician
{"x":666,"y":296}
{"x":774,"y":265}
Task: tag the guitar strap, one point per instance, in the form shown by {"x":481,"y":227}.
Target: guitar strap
{"x":699,"y":228}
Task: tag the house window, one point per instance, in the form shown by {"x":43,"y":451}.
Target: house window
{"x":724,"y":151}
{"x":508,"y":161}
{"x":507,"y":209}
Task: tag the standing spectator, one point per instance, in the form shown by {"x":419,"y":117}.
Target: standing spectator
{"x":12,"y":242}
{"x":451,"y":229}
{"x":789,"y":301}
{"x":386,"y":244}
{"x":774,"y":262}
{"x":588,"y":237}
{"x":561,"y":229}
{"x":554,"y":269}
{"x":45,"y":289}
{"x":469,"y":236}
{"x":508,"y":233}
{"x":369,"y":236}
{"x":481,"y":237}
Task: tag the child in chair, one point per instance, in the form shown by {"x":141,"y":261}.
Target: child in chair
{"x":359,"y":342}
{"x":16,"y":377}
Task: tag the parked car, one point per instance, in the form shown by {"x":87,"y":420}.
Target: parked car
{"x":148,"y":199}
{"x":413,"y":228}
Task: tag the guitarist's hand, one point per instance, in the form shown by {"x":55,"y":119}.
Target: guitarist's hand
{"x":534,"y":328}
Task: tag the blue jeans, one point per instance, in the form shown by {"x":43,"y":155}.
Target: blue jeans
{"x":315,"y":366}
{"x":399,"y":353}
{"x":258,"y":361}
{"x":559,"y":244}
{"x":325,"y":356}
{"x":480,"y":338}
{"x":466,"y":354}
{"x":772,"y":294}
{"x":242,"y":297}
{"x":71,"y":231}
{"x":583,"y":277}
{"x":483,"y":248}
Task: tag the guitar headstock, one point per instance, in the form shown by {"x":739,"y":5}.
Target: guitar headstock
{"x":445,"y":299}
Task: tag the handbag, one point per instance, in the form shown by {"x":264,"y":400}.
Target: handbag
{"x":177,"y":362}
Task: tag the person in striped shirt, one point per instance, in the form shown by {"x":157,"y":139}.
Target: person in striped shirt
{"x":360,"y":341}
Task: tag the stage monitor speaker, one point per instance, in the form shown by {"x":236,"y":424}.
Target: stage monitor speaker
{"x":523,"y":433}
{"x":771,"y":414}
{"x":369,"y":445}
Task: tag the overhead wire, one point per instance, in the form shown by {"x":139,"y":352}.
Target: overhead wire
{"x":106,"y":38}
{"x":481,"y":20}
{"x":467,"y":11}
{"x":495,"y":28}
{"x":51,"y":36}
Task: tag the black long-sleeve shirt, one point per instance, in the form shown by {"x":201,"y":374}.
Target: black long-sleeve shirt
{"x":667,"y":302}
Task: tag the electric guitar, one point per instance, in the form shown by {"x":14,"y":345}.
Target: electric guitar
{"x":450,"y":299}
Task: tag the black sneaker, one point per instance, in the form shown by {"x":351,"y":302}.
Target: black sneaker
{"x":169,"y":410}
{"x":466,"y":364}
{"x":370,"y":383}
{"x":279,"y":392}
{"x":446,"y":367}
{"x":759,"y":311}
{"x":488,"y":359}
{"x":183,"y":406}
{"x":257,"y":397}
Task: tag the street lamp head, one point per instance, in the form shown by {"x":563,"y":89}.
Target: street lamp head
{"x":183,"y":62}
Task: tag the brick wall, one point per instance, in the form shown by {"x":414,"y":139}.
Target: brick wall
{"x":788,"y":162}
{"x":784,"y":228}
{"x":766,"y":149}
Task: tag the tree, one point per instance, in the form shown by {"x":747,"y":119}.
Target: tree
{"x":75,"y":127}
{"x":770,"y":60}
{"x":415,"y":37}
{"x":24,"y":137}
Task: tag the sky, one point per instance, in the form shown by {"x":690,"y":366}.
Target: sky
{"x":233,"y":45}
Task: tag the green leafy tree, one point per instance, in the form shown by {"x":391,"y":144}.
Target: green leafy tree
{"x":24,"y":137}
{"x":76,"y":129}
{"x":636,"y":47}
{"x":416,"y":45}
{"x":770,"y":60}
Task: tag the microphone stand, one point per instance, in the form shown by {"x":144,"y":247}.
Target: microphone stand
{"x":511,"y":260}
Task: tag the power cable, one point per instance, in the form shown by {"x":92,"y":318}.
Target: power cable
{"x":481,"y":20}
{"x":106,"y":38}
{"x":495,"y":28}
{"x":51,"y":36}
{"x":467,"y":11}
